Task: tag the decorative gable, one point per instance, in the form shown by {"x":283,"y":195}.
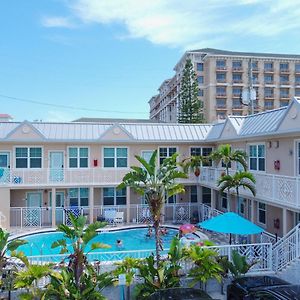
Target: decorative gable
{"x":228,"y":131}
{"x":291,"y":119}
{"x":116,"y":133}
{"x":25,"y":131}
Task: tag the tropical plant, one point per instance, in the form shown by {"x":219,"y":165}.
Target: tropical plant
{"x":156,"y":183}
{"x":190,"y":106}
{"x":155,"y":277}
{"x":243,"y":179}
{"x":8,"y":249}
{"x":127,"y":266}
{"x":79,"y":237}
{"x":63,"y":287}
{"x":193,"y":163}
{"x":225,"y":154}
{"x":239,"y":265}
{"x":206,"y":264}
{"x":175,"y":255}
{"x":8,"y":246}
{"x":30,"y":277}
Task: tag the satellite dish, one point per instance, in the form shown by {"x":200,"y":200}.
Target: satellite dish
{"x":245,"y":97}
{"x":252,"y":94}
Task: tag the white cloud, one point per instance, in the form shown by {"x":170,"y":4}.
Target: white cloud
{"x":190,"y":23}
{"x":58,"y":116}
{"x":57,"y":22}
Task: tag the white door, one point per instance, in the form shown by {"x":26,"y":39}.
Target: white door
{"x":4,"y":166}
{"x":56,"y":166}
{"x":32,"y":213}
{"x":60,"y":199}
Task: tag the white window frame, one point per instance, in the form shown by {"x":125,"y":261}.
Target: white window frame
{"x":265,"y":210}
{"x":78,"y":196}
{"x":201,"y":152}
{"x":168,"y":151}
{"x":28,"y":156}
{"x":257,"y":162}
{"x":114,"y":196}
{"x":115,"y":157}
{"x":78,"y":157}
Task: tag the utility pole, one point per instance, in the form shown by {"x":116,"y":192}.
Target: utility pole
{"x":249,"y":94}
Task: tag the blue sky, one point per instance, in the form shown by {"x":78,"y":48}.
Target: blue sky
{"x":110,"y":56}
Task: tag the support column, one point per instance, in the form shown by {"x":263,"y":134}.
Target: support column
{"x":284,"y":221}
{"x":252,"y":212}
{"x":199,"y":193}
{"x":91,"y":204}
{"x":53,"y":204}
{"x":128,"y":205}
{"x":213,"y":199}
{"x":5,"y":208}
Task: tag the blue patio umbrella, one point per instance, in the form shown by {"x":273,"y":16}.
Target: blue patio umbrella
{"x":231,"y":223}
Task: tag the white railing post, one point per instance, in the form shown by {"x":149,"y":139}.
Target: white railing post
{"x":21,"y":215}
{"x":273,"y":187}
{"x":297,"y":242}
{"x":40,"y":217}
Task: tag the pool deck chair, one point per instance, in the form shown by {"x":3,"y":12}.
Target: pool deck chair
{"x":119,"y":217}
{"x":109,"y":215}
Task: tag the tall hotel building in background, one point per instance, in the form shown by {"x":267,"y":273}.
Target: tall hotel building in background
{"x":223,"y":75}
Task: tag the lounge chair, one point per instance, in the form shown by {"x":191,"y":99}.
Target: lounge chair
{"x":119,"y":217}
{"x":109,"y":215}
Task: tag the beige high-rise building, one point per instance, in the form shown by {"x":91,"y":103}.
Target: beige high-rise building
{"x":223,"y":76}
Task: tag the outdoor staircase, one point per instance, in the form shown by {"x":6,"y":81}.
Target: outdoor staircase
{"x":291,"y":272}
{"x":286,"y":251}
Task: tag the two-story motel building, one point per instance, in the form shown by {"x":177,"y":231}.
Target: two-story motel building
{"x":80,"y":164}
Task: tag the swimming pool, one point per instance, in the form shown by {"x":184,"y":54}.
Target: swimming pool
{"x":135,"y":243}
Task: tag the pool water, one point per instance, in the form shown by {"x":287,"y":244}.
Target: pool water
{"x":132,"y":240}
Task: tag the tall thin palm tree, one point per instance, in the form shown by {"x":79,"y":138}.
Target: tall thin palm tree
{"x":240,"y":179}
{"x":156,"y":183}
{"x":225,"y":154}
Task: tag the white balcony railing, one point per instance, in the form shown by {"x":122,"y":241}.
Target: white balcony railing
{"x":283,"y":190}
{"x":47,"y":176}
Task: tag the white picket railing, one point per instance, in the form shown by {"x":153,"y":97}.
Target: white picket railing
{"x":260,"y":253}
{"x":287,"y":249}
{"x":273,"y":188}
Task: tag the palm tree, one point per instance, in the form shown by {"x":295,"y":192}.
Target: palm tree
{"x":80,"y":237}
{"x":6,"y":245}
{"x":156,"y":183}
{"x":193,"y":163}
{"x":7,"y":271}
{"x":225,"y":154}
{"x":239,"y":179}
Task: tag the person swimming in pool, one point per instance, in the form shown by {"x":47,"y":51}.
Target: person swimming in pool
{"x":119,"y":244}
{"x":164,"y":231}
{"x":149,"y":233}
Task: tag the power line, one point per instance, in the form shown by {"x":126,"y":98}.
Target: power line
{"x":68,"y":106}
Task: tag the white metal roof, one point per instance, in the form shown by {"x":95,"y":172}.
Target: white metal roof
{"x":262,"y":123}
{"x":95,"y":131}
{"x":215,"y":131}
{"x":168,"y":132}
{"x":246,"y":126}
